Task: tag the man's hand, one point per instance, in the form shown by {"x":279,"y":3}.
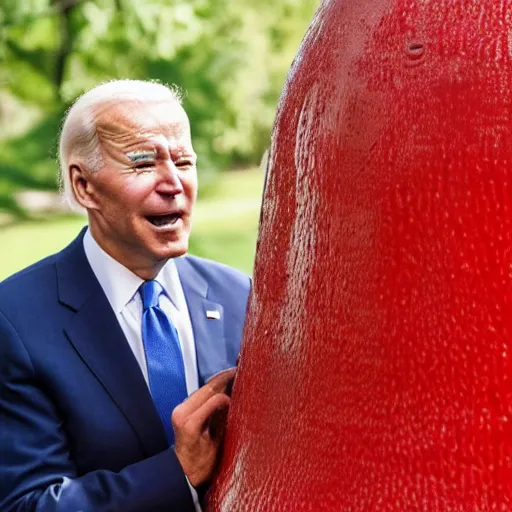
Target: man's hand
{"x":196,"y":440}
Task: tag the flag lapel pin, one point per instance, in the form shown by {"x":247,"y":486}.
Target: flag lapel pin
{"x":212,"y":314}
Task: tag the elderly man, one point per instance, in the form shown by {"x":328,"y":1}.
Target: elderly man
{"x":100,"y":343}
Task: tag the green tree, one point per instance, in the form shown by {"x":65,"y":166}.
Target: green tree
{"x":230,"y":58}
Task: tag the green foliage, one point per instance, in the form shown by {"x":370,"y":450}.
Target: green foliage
{"x":230,"y":58}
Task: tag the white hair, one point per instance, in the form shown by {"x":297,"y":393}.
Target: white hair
{"x":78,"y":136}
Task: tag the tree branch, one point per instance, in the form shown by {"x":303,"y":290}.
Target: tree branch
{"x":65,"y":8}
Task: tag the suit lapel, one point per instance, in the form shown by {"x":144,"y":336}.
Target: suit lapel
{"x":208,"y":332}
{"x":97,"y":336}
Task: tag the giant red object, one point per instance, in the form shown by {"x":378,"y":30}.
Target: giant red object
{"x":376,"y":366}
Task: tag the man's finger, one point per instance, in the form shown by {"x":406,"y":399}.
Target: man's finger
{"x":217,"y":423}
{"x":217,"y":384}
{"x":223,"y":378}
{"x":197,"y":421}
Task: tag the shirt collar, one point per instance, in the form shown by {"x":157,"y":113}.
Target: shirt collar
{"x":119,"y":283}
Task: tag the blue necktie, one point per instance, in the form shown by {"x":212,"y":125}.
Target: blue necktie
{"x":164,"y":359}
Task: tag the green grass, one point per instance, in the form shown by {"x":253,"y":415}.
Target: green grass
{"x":225,"y":227}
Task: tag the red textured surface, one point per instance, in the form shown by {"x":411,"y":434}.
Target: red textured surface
{"x":376,"y":368}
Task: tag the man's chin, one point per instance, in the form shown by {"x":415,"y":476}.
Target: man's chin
{"x":174,"y":250}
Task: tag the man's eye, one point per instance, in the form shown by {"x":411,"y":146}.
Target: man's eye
{"x":184,"y":164}
{"x":144,"y":166}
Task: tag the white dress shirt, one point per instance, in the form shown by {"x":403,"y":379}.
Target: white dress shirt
{"x":121,"y":287}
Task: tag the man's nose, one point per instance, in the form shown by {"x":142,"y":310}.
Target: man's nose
{"x":169,"y":182}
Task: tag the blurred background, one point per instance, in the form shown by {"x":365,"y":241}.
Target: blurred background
{"x":230,"y":57}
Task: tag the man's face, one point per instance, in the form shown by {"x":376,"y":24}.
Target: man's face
{"x":146,"y":188}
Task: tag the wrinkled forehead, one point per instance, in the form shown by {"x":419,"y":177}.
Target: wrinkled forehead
{"x":125,"y":121}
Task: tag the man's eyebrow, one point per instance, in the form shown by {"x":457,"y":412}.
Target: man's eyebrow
{"x":143,"y":155}
{"x":183,"y":153}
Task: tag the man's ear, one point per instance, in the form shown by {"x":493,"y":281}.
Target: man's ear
{"x":83,"y":189}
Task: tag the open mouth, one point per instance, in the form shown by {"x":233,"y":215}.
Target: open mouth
{"x":167,"y":220}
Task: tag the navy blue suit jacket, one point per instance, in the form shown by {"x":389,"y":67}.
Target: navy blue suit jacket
{"x":78,"y":428}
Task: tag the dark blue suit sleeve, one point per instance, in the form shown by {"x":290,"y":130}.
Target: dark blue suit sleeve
{"x":36,"y":469}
